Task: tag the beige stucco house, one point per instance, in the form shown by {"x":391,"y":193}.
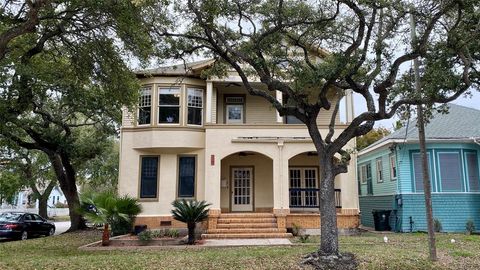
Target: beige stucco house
{"x":210,"y":140}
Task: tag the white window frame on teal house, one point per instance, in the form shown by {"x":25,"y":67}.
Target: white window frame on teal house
{"x":393,"y":167}
{"x":363,"y":174}
{"x":379,"y":170}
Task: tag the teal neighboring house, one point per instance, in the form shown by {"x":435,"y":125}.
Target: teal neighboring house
{"x":390,"y":174}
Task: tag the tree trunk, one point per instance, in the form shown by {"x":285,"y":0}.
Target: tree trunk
{"x":191,"y":233}
{"x":105,"y":235}
{"x":42,"y":206}
{"x":423,"y":153}
{"x":66,"y":178}
{"x":328,"y":211}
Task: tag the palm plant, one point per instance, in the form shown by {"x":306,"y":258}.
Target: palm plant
{"x":190,"y":212}
{"x":108,"y":208}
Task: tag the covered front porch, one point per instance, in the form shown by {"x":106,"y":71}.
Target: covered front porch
{"x":247,"y":184}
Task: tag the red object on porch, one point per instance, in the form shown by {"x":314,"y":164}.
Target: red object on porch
{"x":212,"y":160}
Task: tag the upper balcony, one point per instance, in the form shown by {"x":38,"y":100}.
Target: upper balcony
{"x":170,"y":102}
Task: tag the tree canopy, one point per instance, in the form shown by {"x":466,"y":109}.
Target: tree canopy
{"x":313,"y":50}
{"x":65,"y":77}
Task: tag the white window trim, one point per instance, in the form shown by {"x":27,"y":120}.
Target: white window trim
{"x":393,"y":163}
{"x":363,"y":174}
{"x":440,"y":180}
{"x":379,"y":168}
{"x":180,"y":101}
{"x":150,"y":87}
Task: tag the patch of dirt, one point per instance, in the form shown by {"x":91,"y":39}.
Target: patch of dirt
{"x":344,"y":261}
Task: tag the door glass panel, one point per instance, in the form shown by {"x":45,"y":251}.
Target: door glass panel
{"x":234,"y":113}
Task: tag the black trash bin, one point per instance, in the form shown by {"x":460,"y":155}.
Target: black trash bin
{"x":381,"y":220}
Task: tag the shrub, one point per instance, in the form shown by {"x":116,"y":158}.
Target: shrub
{"x":190,"y":212}
{"x":296,"y":229}
{"x":172,"y":233}
{"x":145,"y":236}
{"x":158,"y":233}
{"x":437,"y":225}
{"x":304,"y":238}
{"x":109,"y":209}
{"x":470,"y":226}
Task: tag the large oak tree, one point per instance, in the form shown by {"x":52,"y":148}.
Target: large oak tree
{"x":307,"y":48}
{"x":64,"y":78}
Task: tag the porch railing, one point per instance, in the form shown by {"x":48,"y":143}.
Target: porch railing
{"x":309,"y":198}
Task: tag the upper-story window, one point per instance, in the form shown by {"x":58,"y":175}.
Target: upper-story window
{"x":235,"y":109}
{"x":168,"y":105}
{"x":393,"y":167}
{"x":379,"y":168}
{"x":145,"y":106}
{"x":195,"y":106}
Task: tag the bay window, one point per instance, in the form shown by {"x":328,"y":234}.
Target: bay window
{"x":195,"y":106}
{"x":145,"y":106}
{"x":168,"y":105}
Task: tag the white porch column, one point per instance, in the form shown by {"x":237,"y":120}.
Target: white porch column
{"x":209,"y":102}
{"x":279,"y":96}
{"x":349,"y":105}
{"x":280,"y":182}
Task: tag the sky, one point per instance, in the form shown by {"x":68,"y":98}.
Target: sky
{"x":470,"y":101}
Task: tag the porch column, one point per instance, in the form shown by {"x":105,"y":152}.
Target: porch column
{"x":279,"y":96}
{"x":209,"y":105}
{"x":280,"y":182}
{"x":212,"y":188}
{"x":349,"y":105}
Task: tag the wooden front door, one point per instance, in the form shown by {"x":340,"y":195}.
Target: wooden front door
{"x":242,"y":189}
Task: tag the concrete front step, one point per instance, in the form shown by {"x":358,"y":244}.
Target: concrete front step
{"x":245,"y":235}
{"x":246,"y":220}
{"x":246,"y":225}
{"x":246,"y":230}
{"x":246,"y":215}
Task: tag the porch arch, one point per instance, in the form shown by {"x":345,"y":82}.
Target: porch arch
{"x":253,"y":193}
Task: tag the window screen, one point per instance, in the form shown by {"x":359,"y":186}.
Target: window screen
{"x":450,"y":171}
{"x":186,"y":177}
{"x":149,"y":173}
{"x":473,"y":174}
{"x":417,"y":171}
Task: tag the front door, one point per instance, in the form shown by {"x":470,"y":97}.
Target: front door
{"x":242,"y":189}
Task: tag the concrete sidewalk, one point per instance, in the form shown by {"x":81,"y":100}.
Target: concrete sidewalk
{"x":247,"y":242}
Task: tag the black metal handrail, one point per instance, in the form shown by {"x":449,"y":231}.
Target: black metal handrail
{"x":309,"y":198}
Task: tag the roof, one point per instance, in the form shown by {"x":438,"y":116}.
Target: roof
{"x":191,"y":69}
{"x":460,"y":123}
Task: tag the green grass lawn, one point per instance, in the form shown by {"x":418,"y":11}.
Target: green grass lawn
{"x":404,"y":251}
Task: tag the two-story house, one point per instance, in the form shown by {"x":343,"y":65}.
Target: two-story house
{"x":210,"y":140}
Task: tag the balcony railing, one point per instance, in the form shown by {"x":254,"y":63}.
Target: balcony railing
{"x":309,"y":198}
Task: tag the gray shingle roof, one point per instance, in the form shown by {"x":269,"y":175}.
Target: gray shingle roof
{"x":459,"y":123}
{"x":192,"y":68}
